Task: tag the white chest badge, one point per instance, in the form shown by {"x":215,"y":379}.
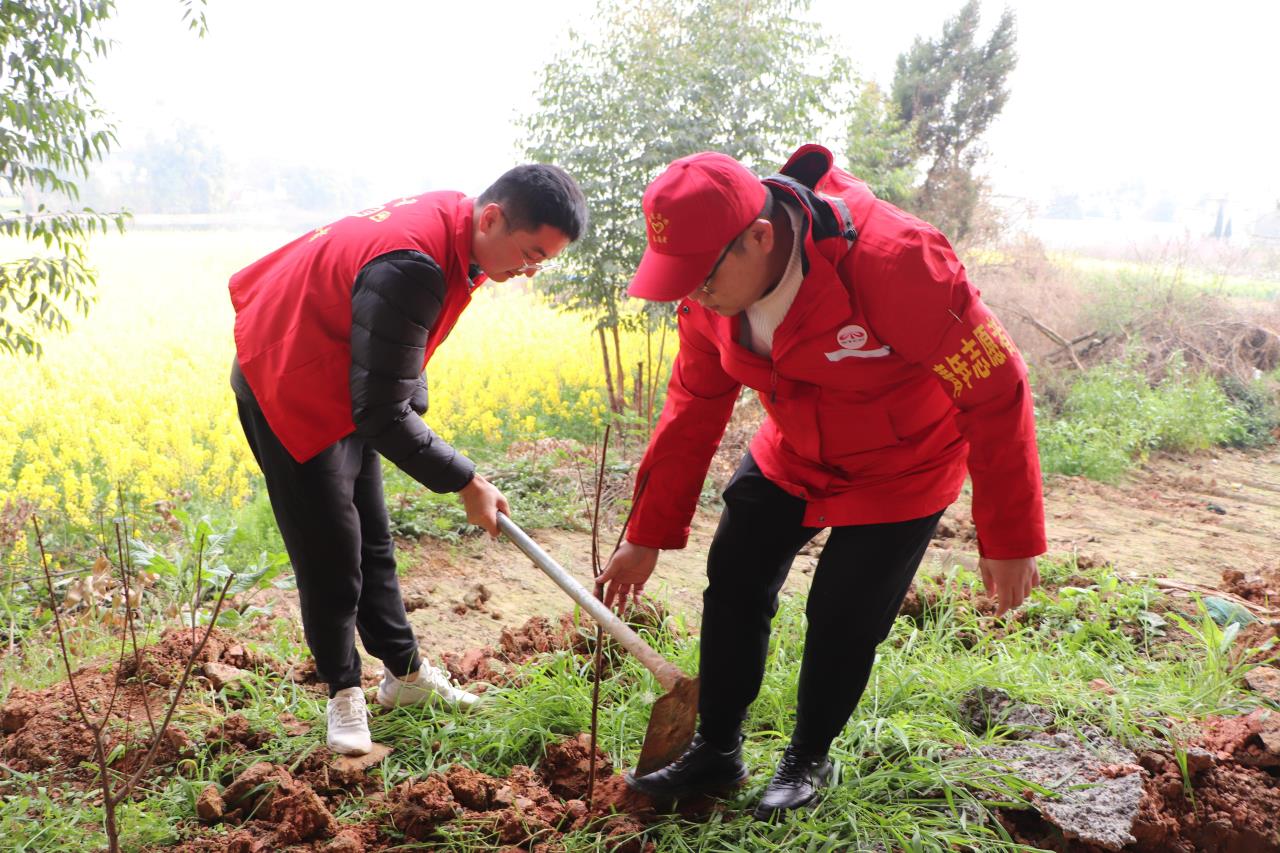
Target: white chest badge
{"x":851,"y":339}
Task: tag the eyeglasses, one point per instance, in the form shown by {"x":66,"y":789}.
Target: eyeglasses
{"x":536,"y":266}
{"x":705,"y":287}
{"x":530,"y":264}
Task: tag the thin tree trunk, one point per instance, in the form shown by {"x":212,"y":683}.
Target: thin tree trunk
{"x":662,"y":345}
{"x":622,"y":372}
{"x":639,"y":389}
{"x":608,"y":371}
{"x":648,"y":363}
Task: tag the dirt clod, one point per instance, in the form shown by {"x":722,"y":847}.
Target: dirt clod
{"x":209,"y":805}
{"x":537,"y":636}
{"x":567,"y":766}
{"x":1199,"y":760}
{"x":520,"y":826}
{"x":42,"y":730}
{"x":299,"y":807}
{"x":221,"y":674}
{"x":476,"y":597}
{"x":237,"y":733}
{"x":526,"y":808}
{"x":1250,"y":587}
{"x":422,"y":806}
{"x":1264,"y":680}
{"x":473,"y":665}
{"x":250,"y":788}
{"x":302,"y":672}
{"x":471,"y":789}
{"x":1234,"y":809}
{"x":346,"y":841}
{"x":1230,"y":806}
{"x":416,"y":601}
{"x":351,"y":769}
{"x":20,"y":707}
{"x":269,"y":793}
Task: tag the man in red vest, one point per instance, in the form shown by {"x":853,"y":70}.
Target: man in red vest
{"x":884,"y":378}
{"x":333,"y":331}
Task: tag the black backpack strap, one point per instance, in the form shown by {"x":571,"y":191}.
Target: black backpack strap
{"x":847,"y":229}
{"x":830,"y":214}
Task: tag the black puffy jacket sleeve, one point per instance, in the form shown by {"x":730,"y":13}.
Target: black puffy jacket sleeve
{"x":395,"y":301}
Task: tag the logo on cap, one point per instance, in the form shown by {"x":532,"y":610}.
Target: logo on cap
{"x":658,"y":224}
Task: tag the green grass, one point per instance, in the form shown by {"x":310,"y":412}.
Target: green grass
{"x":910,"y":778}
{"x":1113,"y":415}
{"x":1112,"y":418}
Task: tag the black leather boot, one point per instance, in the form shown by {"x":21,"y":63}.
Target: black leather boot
{"x":795,"y":784}
{"x":702,"y":769}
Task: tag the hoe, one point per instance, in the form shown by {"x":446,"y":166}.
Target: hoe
{"x":672,"y":720}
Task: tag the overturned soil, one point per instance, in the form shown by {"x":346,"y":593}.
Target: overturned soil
{"x":267,"y":808}
{"x":485,"y":665}
{"x":42,"y":729}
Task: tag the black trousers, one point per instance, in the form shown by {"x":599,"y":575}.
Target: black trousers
{"x":862,"y":576}
{"x":333,"y":519}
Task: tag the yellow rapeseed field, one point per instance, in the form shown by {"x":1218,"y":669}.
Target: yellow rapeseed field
{"x":137,"y":395}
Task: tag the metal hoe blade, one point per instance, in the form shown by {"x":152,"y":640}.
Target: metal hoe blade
{"x":671,"y":726}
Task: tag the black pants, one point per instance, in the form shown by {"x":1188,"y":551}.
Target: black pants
{"x":333,"y":520}
{"x":861,"y":578}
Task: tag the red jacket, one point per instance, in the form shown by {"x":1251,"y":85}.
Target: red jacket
{"x":889,"y":376}
{"x":293,"y":310}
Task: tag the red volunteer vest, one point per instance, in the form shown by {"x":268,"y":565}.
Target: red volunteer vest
{"x":293,"y":310}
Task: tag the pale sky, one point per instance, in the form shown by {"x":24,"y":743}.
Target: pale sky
{"x":1179,"y":95}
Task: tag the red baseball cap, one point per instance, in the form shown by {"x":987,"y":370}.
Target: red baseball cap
{"x":693,"y":211}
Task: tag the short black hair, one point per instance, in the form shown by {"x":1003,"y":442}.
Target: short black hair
{"x":538,"y":194}
{"x":766,"y":212}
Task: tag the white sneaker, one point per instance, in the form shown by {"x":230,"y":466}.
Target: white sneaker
{"x":349,"y":723}
{"x":432,"y":684}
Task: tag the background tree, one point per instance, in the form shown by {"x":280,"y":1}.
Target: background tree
{"x":948,"y":91}
{"x":51,"y":131}
{"x":881,"y":146}
{"x":663,"y":80}
{"x":178,"y":171}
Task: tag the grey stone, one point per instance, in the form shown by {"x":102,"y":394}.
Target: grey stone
{"x":1095,"y":797}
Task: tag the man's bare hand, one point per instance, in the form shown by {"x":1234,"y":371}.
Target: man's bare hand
{"x":628,"y":570}
{"x":1009,"y":581}
{"x":482,"y":501}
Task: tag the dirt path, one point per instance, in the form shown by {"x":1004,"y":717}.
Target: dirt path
{"x":1186,"y":518}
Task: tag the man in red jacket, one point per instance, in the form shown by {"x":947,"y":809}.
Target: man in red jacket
{"x":332,"y":333}
{"x":884,"y":379}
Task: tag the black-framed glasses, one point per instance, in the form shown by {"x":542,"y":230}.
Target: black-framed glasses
{"x":705,"y":287}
